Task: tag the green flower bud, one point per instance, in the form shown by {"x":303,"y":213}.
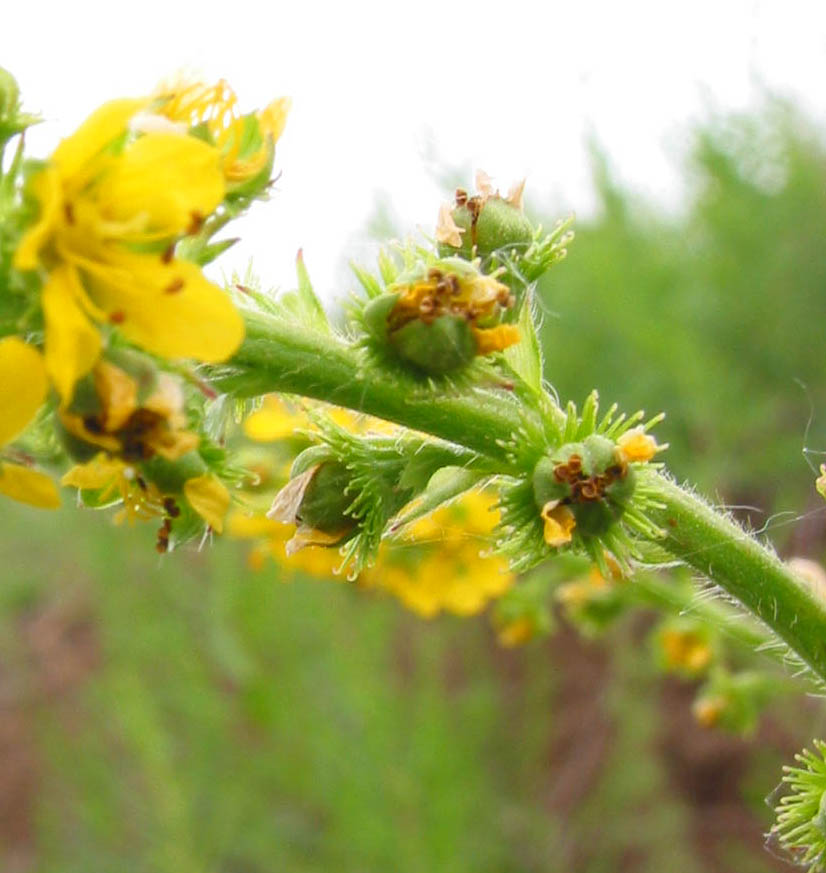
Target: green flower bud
{"x":12,"y":120}
{"x":325,"y":501}
{"x":9,"y":97}
{"x":316,"y":499}
{"x":495,"y":224}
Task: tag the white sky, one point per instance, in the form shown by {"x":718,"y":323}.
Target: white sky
{"x":379,"y":89}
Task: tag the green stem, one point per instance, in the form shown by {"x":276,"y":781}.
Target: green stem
{"x":747,"y":570}
{"x":277,"y":356}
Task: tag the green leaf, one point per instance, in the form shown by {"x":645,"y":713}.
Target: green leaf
{"x":525,"y":358}
{"x":444,"y":485}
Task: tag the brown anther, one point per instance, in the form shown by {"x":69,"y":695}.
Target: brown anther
{"x":196,"y":222}
{"x":171,"y":507}
{"x":575,"y":464}
{"x":141,"y":482}
{"x":461,"y":197}
{"x":168,"y":254}
{"x":69,"y":212}
{"x":616,"y":471}
{"x":117,"y":317}
{"x":588,"y":490}
{"x":91,"y":423}
{"x":174,"y":286}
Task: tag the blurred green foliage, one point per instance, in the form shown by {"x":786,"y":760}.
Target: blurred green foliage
{"x":186,"y":714}
{"x":714,"y":314}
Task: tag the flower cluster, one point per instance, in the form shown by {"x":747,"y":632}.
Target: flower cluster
{"x":101,"y":303}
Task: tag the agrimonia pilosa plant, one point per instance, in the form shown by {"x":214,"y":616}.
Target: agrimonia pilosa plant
{"x":415,"y":448}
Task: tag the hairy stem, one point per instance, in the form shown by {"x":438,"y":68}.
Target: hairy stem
{"x":738,"y":563}
{"x":277,"y":356}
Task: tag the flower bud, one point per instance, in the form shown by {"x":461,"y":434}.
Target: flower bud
{"x":9,"y":97}
{"x":12,"y":120}
{"x":316,"y":500}
{"x":482,"y":224}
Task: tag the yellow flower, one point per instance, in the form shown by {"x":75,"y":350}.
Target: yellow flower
{"x":271,"y":539}
{"x":243,"y":155}
{"x":132,"y":429}
{"x":438,"y":566}
{"x":115,"y":480}
{"x":23,"y":387}
{"x":103,"y":203}
{"x":684,"y":649}
{"x":517,"y":632}
{"x":637,"y":445}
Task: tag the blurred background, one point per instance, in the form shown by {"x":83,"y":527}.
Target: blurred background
{"x":190,"y":714}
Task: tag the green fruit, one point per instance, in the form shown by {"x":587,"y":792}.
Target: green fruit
{"x":443,"y":346}
{"x":325,"y":502}
{"x":499,"y":225}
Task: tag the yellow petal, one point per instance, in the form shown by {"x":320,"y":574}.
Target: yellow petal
{"x":119,"y":394}
{"x":167,"y":308}
{"x":97,"y":473}
{"x":72,"y":341}
{"x":559,"y":523}
{"x":99,"y":129}
{"x":637,"y":445}
{"x":23,"y":386}
{"x":309,"y":536}
{"x":174,"y":181}
{"x":209,"y":498}
{"x":46,"y":188}
{"x":274,"y":117}
{"x":494,"y":339}
{"x":28,"y":486}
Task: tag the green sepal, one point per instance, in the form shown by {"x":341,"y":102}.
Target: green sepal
{"x":376,"y":313}
{"x":545,"y":486}
{"x":170,"y":476}
{"x":326,"y":500}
